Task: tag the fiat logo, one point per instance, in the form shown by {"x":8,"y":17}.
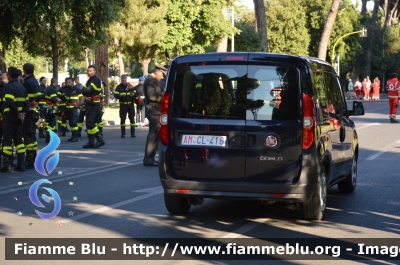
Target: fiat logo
{"x":271,"y":141}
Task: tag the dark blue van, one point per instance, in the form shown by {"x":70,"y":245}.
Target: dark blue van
{"x":258,"y":126}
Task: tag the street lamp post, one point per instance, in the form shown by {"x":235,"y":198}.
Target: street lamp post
{"x":363,"y":33}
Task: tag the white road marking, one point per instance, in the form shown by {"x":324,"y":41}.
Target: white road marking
{"x":372,"y":157}
{"x":157,"y":190}
{"x":57,"y":178}
{"x":368,"y":125}
{"x":246,"y":228}
{"x":153,"y":189}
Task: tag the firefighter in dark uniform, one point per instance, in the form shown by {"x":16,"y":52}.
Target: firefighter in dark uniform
{"x":72,"y":95}
{"x":81,"y":116}
{"x":3,"y":87}
{"x":126,"y":94}
{"x":91,"y":91}
{"x":62,"y":117}
{"x":140,"y":107}
{"x":99,"y":121}
{"x":51,"y":108}
{"x":15,"y":107}
{"x":40,"y":98}
{"x":153,"y":94}
{"x":32,"y":87}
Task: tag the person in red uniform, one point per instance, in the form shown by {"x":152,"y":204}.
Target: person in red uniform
{"x":393,"y":88}
{"x":376,"y":86}
{"x":357,"y":88}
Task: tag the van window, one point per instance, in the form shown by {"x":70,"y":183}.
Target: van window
{"x":272,"y":93}
{"x":320,"y":98}
{"x":208,"y":91}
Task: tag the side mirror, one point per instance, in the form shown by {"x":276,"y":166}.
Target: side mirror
{"x":358,"y":109}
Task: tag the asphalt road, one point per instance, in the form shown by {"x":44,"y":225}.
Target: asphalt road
{"x":117,"y":197}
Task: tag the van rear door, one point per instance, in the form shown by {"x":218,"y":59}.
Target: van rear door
{"x":273,"y":122}
{"x":206,"y":121}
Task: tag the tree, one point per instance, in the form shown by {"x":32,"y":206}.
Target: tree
{"x":323,"y":45}
{"x":192,"y":26}
{"x":247,"y":39}
{"x":291,"y":37}
{"x":138,"y":28}
{"x":371,"y":37}
{"x":261,"y":22}
{"x":49,"y":18}
{"x":102,"y":68}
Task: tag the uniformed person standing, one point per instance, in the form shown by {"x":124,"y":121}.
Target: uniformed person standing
{"x":99,"y":120}
{"x":153,"y":94}
{"x":140,"y":107}
{"x":92,"y":90}
{"x":3,"y":85}
{"x":15,"y":107}
{"x":51,"y":108}
{"x":62,"y":117}
{"x":32,"y":87}
{"x":126,"y":94}
{"x":40,"y":98}
{"x":72,"y":95}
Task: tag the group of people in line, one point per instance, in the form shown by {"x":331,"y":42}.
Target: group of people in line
{"x":365,"y":90}
{"x":27,"y":104}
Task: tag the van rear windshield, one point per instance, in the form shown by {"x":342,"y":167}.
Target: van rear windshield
{"x":246,"y":92}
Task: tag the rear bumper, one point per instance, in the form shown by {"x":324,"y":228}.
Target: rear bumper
{"x":298,"y":192}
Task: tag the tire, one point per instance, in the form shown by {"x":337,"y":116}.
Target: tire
{"x":314,"y":208}
{"x":348,"y":185}
{"x":176,"y":204}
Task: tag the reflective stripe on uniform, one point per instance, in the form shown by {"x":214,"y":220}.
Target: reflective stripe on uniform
{"x":20,"y":148}
{"x":95,"y":87}
{"x":7,"y":150}
{"x":93,"y":131}
{"x":9,"y":96}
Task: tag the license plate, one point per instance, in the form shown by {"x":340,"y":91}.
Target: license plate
{"x":203,"y":140}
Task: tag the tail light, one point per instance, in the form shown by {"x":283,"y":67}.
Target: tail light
{"x":164,"y":118}
{"x":308,"y":121}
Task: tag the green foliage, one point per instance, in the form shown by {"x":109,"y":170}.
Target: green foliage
{"x":286,"y":23}
{"x":140,"y":27}
{"x":248,"y":40}
{"x":17,"y":57}
{"x":193,"y":25}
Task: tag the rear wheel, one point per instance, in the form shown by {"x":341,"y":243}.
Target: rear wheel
{"x":348,"y":185}
{"x":176,"y":204}
{"x":314,"y":208}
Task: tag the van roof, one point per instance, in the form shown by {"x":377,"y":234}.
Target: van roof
{"x":238,"y":56}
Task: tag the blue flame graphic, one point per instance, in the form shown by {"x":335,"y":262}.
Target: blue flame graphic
{"x":35,"y":200}
{"x":40,"y":161}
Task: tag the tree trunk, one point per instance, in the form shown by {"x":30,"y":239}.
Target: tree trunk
{"x":119,"y":57}
{"x":371,"y":36}
{"x":54,"y":49}
{"x":86,"y":58}
{"x":261,"y":22}
{"x":364,"y":7}
{"x":3,"y":65}
{"x":223,"y":42}
{"x":326,"y":34}
{"x":145,"y":66}
{"x":386,"y":11}
{"x":101,"y":59}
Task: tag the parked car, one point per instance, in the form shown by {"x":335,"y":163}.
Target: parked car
{"x":258,"y":126}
